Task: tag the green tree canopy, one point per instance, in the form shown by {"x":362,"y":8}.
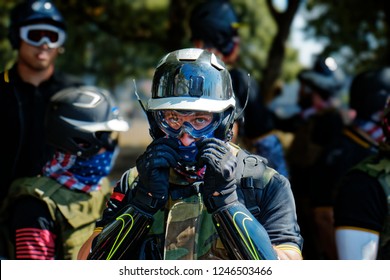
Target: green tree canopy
{"x":114,"y":40}
{"x":354,"y":31}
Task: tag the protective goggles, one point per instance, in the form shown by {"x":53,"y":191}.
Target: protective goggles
{"x":39,"y":34}
{"x":197,"y":124}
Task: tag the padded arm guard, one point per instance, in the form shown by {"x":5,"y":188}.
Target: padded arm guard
{"x":121,"y":234}
{"x":242,"y":235}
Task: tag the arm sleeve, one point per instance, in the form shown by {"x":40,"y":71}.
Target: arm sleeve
{"x":119,"y":198}
{"x":356,"y":244}
{"x":33,"y":230}
{"x":278,"y":214}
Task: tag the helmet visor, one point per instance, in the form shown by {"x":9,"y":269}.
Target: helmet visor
{"x":196,"y":123}
{"x":39,"y":34}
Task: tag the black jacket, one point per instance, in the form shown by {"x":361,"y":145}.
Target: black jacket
{"x":22,"y":114}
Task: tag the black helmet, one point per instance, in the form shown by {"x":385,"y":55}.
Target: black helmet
{"x":324,"y":77}
{"x":369,"y":91}
{"x":30,"y":12}
{"x":215,"y":23}
{"x":192,"y":80}
{"x":80,"y":120}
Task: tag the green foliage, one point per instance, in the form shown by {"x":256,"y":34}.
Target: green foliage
{"x":355,"y":31}
{"x":7,"y":55}
{"x":257,"y":31}
{"x":115,"y":40}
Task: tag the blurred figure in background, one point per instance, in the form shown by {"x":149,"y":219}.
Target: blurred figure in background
{"x":51,"y":216}
{"x":362,"y":221}
{"x":317,"y":128}
{"x":362,"y":209}
{"x":214,"y":26}
{"x":37,"y":31}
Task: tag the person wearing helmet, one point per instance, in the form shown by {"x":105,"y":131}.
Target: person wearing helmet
{"x":50,"y":216}
{"x":193,"y":194}
{"x":214,"y":26}
{"x":317,"y":128}
{"x":356,"y":140}
{"x":37,"y":32}
{"x":368,"y":93}
{"x":365,"y":145}
{"x":362,"y":208}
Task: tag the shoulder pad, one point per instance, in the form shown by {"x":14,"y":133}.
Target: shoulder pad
{"x":254,"y":167}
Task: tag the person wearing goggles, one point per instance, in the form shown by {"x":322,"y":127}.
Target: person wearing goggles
{"x":37,"y":32}
{"x":193,"y":194}
{"x":187,"y":126}
{"x":43,"y":34}
{"x":214,"y":26}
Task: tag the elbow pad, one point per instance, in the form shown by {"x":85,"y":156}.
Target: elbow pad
{"x":121,"y":235}
{"x":242,"y":235}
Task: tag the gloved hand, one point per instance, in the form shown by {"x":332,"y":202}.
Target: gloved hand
{"x":153,"y":168}
{"x":219,"y":179}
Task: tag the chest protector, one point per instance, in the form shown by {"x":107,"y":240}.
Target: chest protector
{"x":381,"y":171}
{"x":73,"y":212}
{"x":185,"y":230}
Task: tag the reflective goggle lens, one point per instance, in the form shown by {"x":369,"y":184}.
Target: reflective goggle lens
{"x":39,"y":34}
{"x":198,"y":124}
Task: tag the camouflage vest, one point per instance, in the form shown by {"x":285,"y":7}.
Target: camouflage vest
{"x":185,"y":230}
{"x":381,"y":171}
{"x":74,"y":212}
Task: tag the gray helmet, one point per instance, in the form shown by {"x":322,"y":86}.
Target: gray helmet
{"x":30,"y":12}
{"x":369,"y":91}
{"x":193,"y":80}
{"x":80,"y":120}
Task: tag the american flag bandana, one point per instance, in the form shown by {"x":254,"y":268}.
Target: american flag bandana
{"x":77,"y":173}
{"x":372,"y":128}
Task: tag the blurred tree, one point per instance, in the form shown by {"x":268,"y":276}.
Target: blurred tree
{"x":114,"y":40}
{"x":6,"y":54}
{"x":110,"y":41}
{"x":355,"y":31}
{"x":276,"y":55}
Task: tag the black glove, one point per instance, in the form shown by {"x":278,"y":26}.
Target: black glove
{"x":219,"y":179}
{"x":153,"y":168}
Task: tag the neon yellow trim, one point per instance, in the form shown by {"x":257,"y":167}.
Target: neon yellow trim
{"x":356,"y":139}
{"x":6,"y":76}
{"x":248,"y":239}
{"x":358,"y":228}
{"x":98,"y":229}
{"x":114,"y":247}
